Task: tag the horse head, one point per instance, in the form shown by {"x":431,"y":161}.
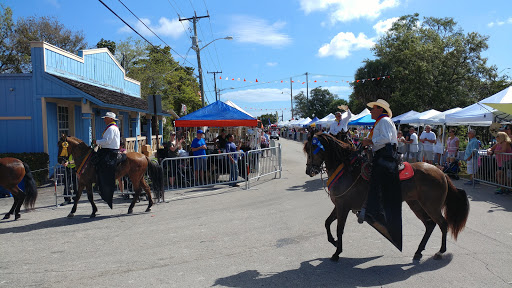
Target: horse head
{"x":315,"y":150}
{"x":324,"y":148}
{"x":68,"y":146}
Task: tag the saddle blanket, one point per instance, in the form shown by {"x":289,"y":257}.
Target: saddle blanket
{"x":406,"y":172}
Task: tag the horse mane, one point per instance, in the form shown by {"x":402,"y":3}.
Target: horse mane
{"x":339,"y":151}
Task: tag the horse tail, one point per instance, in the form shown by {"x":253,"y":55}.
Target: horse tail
{"x":156,"y":174}
{"x":30,"y":188}
{"x":456,"y":208}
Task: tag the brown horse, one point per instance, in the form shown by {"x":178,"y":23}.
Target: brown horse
{"x":427,"y":193}
{"x":12,"y":171}
{"x":134,"y":166}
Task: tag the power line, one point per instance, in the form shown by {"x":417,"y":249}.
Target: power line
{"x":146,"y":27}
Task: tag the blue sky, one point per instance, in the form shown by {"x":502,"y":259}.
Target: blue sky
{"x":275,"y":40}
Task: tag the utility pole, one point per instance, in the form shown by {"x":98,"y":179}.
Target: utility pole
{"x":215,"y":82}
{"x":195,"y":46}
{"x":307,"y":89}
{"x":291,"y":95}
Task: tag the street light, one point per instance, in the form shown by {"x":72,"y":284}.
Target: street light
{"x":219,"y":90}
{"x":195,"y":47}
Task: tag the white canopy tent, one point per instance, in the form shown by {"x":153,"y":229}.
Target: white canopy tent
{"x":398,"y":118}
{"x":301,"y":122}
{"x":419,"y":119}
{"x":360,"y":115}
{"x":480,"y":114}
{"x":237,"y":107}
{"x":440,"y":119}
{"x":327,"y":120}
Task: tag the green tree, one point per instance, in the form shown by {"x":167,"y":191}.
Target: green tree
{"x":129,"y":51}
{"x":321,"y":102}
{"x":7,"y":53}
{"x":160,"y":74}
{"x":433,"y":64}
{"x":266,"y":117}
{"x":111,"y":45}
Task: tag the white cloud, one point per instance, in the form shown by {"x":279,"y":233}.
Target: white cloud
{"x":347,"y":10}
{"x":54,"y":3}
{"x":259,"y":95}
{"x":170,"y":28}
{"x":344,"y":43}
{"x":384,"y":25}
{"x":258,"y":31}
{"x":272,"y":64}
{"x":500,"y":23}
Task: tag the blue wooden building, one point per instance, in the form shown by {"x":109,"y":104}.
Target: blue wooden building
{"x":68,"y":93}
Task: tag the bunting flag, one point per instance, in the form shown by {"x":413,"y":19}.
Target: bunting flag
{"x":310,"y":81}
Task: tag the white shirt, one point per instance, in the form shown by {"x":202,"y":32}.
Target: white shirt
{"x":383,"y":133}
{"x":414,"y":145}
{"x":337,"y":127}
{"x":427,"y":146}
{"x":111,"y":138}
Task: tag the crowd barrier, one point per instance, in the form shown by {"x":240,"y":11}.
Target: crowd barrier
{"x":487,"y":170}
{"x":221,"y":169}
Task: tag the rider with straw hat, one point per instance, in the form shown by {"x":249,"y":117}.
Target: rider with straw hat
{"x":106,"y":157}
{"x":384,"y":181}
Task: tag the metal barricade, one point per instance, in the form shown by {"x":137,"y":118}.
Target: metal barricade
{"x":494,"y":169}
{"x":221,"y":169}
{"x":263,"y":162}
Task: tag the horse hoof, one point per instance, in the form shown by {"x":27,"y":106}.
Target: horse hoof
{"x":335,"y":258}
{"x":148,"y":210}
{"x":130,"y":211}
{"x":71,"y":215}
{"x":17,"y":217}
{"x":438,"y":256}
{"x":7,"y":216}
{"x":417,"y":256}
{"x":92,"y":215}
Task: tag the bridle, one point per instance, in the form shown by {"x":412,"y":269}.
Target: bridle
{"x":321,"y":169}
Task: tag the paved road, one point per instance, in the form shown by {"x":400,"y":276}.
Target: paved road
{"x":269,"y":236}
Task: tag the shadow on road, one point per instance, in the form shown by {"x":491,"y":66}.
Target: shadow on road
{"x":58,"y":222}
{"x":309,"y":186}
{"x":326,"y":273}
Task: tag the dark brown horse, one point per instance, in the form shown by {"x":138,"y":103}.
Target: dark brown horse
{"x":427,"y":193}
{"x":134,"y":166}
{"x":12,"y":171}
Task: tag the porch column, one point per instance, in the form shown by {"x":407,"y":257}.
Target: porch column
{"x":136,"y":130}
{"x":87,"y":128}
{"x":149,"y":132}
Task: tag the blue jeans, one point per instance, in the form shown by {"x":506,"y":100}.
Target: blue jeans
{"x":233,"y":172}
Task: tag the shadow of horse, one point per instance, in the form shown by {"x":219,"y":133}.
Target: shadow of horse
{"x":308,"y":186}
{"x":326,"y":273}
{"x":61,"y":222}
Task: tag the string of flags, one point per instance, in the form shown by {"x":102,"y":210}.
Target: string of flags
{"x":304,"y":82}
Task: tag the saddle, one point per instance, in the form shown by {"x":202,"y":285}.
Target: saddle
{"x":121,"y":157}
{"x":404,"y":169}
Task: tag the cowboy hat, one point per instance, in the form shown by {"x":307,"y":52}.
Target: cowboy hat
{"x":383,"y":104}
{"x":110,"y":115}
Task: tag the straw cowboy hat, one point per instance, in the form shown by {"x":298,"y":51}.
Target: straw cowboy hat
{"x":382,"y":104}
{"x":110,"y":115}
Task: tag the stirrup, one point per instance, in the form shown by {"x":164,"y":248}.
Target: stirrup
{"x":361,"y":215}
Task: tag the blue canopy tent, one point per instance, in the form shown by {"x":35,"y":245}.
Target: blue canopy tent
{"x":217,"y":114}
{"x":363,"y":121}
{"x":312,"y":122}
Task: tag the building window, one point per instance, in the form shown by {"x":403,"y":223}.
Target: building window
{"x":63,"y":120}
